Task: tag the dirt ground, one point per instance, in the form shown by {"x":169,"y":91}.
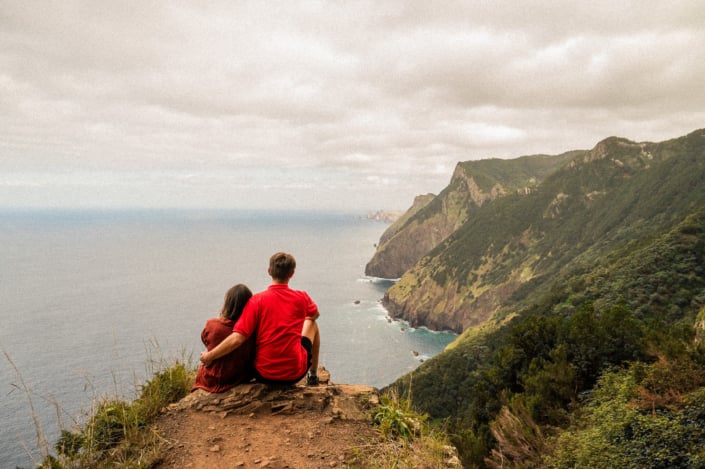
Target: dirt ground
{"x":206,"y":440}
{"x":255,"y":426}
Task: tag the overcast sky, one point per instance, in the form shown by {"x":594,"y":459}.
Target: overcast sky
{"x":324,"y":105}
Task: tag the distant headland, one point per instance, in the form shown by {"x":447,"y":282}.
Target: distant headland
{"x":387,"y":216}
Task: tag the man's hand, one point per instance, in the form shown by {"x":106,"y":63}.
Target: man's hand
{"x":205,"y":359}
{"x":229,"y":344}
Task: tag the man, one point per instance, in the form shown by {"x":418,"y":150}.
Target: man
{"x":284,"y":323}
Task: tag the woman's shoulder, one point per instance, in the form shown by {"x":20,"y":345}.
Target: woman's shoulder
{"x":220,"y":322}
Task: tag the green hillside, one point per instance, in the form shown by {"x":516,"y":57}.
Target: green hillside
{"x":590,"y":285}
{"x":431,"y":219}
{"x":612,"y":194}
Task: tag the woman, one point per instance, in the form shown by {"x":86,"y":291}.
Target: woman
{"x":236,"y":367}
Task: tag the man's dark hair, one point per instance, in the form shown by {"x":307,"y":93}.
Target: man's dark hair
{"x":281,"y":266}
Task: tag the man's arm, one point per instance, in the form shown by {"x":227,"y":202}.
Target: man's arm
{"x":229,"y":344}
{"x":314,"y":317}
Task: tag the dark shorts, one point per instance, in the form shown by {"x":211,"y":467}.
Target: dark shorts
{"x":306,"y":344}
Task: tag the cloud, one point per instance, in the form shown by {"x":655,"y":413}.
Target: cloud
{"x":354,"y":102}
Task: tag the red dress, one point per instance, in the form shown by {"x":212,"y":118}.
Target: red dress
{"x":225,"y":372}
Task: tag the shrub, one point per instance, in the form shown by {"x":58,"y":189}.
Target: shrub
{"x":396,"y":419}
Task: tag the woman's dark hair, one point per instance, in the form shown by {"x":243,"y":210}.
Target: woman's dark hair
{"x":235,"y":300}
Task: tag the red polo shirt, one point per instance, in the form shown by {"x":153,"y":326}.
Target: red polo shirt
{"x":276,"y":317}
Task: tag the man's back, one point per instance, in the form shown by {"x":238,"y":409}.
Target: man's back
{"x":276,"y":317}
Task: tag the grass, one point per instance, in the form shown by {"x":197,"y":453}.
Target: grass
{"x":407,"y":440}
{"x":42,"y":443}
{"x":117,"y":433}
{"x":396,"y":419}
{"x":120,"y":434}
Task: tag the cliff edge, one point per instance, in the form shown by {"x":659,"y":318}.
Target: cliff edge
{"x":255,"y":425}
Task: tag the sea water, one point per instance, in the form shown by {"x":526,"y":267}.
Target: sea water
{"x":90,"y":300}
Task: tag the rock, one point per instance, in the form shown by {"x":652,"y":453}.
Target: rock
{"x":387,"y":216}
{"x":338,"y":401}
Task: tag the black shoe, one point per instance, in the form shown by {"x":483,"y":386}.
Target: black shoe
{"x":312,"y":380}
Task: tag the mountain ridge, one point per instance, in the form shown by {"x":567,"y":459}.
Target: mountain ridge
{"x":517,"y":238}
{"x":431,"y":219}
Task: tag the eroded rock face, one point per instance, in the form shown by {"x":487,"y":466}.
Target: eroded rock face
{"x":402,"y":244}
{"x":422,"y":301}
{"x":429,"y":221}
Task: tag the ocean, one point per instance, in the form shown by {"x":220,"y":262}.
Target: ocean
{"x":91,"y":302}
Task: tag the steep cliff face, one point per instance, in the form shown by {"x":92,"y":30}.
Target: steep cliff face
{"x":420,"y":201}
{"x":505,"y":242}
{"x":431,"y":219}
{"x":406,"y":241}
{"x":428,"y":296}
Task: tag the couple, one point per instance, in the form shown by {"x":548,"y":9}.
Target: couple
{"x":271,"y":336}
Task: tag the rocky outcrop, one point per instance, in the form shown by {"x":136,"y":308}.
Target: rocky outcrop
{"x":255,"y":425}
{"x":338,"y":401}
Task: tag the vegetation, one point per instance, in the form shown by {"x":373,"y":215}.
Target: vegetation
{"x":120,"y":434}
{"x":396,"y":419}
{"x":429,"y":221}
{"x":594,"y":361}
{"x":408,"y":439}
{"x":602,"y":200}
{"x":540,"y":365}
{"x":634,"y":419}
